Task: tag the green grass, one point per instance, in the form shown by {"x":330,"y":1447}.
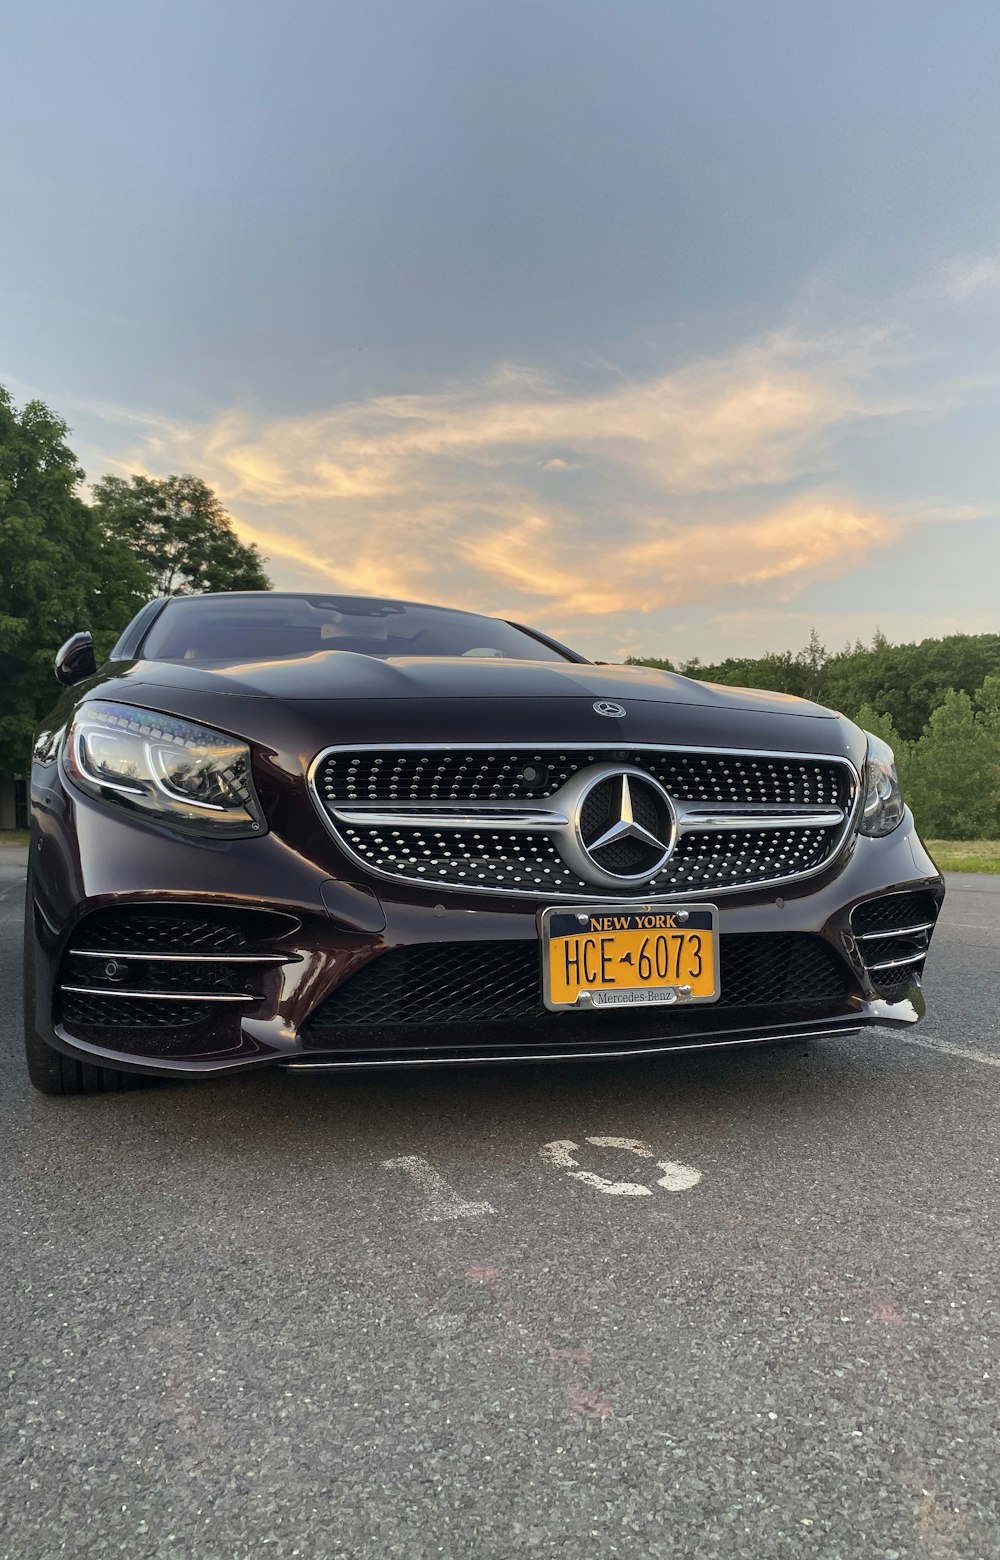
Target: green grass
{"x":966,"y":855}
{"x":13,"y":836}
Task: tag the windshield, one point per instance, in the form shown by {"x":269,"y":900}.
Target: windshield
{"x":265,"y":627}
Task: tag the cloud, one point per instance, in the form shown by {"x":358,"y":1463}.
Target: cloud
{"x":973,"y":279}
{"x":677,"y":488}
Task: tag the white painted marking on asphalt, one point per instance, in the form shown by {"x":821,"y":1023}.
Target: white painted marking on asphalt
{"x":630,"y":1145}
{"x":443,"y":1201}
{"x":676,"y":1177}
{"x":951,"y":1050}
{"x":560,"y":1153}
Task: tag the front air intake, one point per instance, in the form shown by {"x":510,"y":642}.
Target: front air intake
{"x":163,"y":971}
{"x":893,"y":934}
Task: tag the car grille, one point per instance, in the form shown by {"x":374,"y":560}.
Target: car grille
{"x":452,"y":983}
{"x":160,"y":969}
{"x":893,"y":934}
{"x":487,"y":820}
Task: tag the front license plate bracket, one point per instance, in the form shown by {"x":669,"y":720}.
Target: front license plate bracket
{"x":604,"y":956}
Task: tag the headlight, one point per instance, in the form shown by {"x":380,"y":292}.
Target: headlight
{"x":883,"y":808}
{"x":164,"y":769}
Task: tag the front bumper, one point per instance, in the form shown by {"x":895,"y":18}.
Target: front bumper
{"x":304,"y":923}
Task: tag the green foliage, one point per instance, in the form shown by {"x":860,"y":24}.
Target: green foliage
{"x":910,"y":681}
{"x":954,"y":782}
{"x":936,"y":703}
{"x":181,"y":532}
{"x":988,"y":703}
{"x":58,"y":571}
{"x":66,"y":565}
{"x":652,"y":660}
{"x":907,"y":682}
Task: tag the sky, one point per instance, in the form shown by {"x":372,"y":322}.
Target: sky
{"x":670,"y":328}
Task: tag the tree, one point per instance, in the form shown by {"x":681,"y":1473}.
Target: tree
{"x":954,"y":775}
{"x":813,"y":660}
{"x":181,"y":532}
{"x":650,"y":660}
{"x":988,"y":704}
{"x":910,"y":681}
{"x":58,"y":571}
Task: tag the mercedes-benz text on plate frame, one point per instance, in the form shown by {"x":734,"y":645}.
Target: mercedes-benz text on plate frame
{"x":603,"y":956}
{"x":319,"y":831}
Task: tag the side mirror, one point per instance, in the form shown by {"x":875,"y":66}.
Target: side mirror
{"x":76,"y":660}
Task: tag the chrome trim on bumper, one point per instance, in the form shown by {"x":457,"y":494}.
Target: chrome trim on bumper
{"x":160,"y":996}
{"x":569,"y":1054}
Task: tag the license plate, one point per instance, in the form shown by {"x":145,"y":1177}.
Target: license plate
{"x":608,"y":956}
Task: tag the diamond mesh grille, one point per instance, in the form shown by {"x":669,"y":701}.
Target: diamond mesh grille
{"x":528,"y":863}
{"x":451,"y":983}
{"x":510,"y":861}
{"x":473,"y":775}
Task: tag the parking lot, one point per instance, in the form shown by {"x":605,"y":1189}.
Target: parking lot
{"x":732,"y":1304}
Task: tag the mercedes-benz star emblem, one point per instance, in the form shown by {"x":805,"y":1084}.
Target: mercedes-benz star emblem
{"x":623,"y":826}
{"x":609,"y":707}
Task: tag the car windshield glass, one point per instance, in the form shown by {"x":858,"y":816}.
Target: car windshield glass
{"x":250,"y":628}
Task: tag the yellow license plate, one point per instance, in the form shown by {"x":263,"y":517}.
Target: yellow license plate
{"x":626,"y":956}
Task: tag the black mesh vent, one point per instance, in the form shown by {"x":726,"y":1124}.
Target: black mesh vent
{"x":884,"y":950}
{"x":892,"y":911}
{"x":131,"y":1012}
{"x":128,"y":931}
{"x":451,"y":983}
{"x":894,"y":983}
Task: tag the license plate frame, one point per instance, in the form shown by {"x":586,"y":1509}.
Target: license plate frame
{"x":558,"y":923}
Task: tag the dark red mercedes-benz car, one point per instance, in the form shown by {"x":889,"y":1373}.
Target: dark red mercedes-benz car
{"x":322,"y":832}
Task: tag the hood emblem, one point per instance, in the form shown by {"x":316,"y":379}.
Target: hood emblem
{"x":609,"y":707}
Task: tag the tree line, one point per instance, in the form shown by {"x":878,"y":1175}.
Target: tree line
{"x":68,"y":564}
{"x":937,"y":704}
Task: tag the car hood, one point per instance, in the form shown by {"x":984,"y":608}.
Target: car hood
{"x":339,"y":674}
{"x":297,"y":707}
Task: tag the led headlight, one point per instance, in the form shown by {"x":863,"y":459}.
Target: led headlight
{"x":165,"y":769}
{"x":883,"y":809}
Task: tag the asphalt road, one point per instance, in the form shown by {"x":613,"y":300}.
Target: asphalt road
{"x":228,"y":1328}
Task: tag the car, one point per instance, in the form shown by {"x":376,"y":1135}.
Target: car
{"x":326,"y":832}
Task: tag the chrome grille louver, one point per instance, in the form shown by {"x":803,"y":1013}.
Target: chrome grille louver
{"x":495,"y":819}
